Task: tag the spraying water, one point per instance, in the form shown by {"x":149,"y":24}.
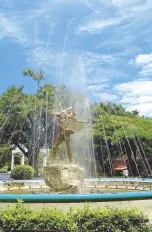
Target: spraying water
{"x":81,"y":142}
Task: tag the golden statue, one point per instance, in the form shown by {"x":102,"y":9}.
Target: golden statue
{"x":67,"y":125}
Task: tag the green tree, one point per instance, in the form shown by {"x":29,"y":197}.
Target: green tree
{"x":121,"y":134}
{"x":23,"y":120}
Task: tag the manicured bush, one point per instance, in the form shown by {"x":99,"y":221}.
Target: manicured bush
{"x":110,"y":220}
{"x":22,"y":172}
{"x":6,"y":167}
{"x":2,"y":170}
{"x":21,"y":217}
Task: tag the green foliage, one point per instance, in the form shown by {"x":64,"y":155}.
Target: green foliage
{"x":5,"y":156}
{"x":22,"y":172}
{"x":2,"y":170}
{"x":114,"y":122}
{"x":23,"y":120}
{"x":23,"y":117}
{"x":7,"y":167}
{"x":110,"y":220}
{"x":15,"y":217}
{"x":23,"y":124}
{"x":36,"y":76}
{"x":21,"y":217}
{"x":121,"y":134}
{"x":17,"y":159}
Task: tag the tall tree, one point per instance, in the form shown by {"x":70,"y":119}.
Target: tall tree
{"x":123,"y":134}
{"x":23,"y":119}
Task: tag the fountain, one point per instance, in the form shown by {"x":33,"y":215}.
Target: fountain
{"x":65,"y":178}
{"x":66,"y":171}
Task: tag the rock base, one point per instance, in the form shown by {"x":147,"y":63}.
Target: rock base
{"x":64,"y":178}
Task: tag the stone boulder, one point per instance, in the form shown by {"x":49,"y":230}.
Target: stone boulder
{"x":64,"y":178}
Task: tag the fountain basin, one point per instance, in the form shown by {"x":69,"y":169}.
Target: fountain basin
{"x":90,"y":185}
{"x":64,"y":198}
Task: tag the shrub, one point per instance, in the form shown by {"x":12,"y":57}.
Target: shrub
{"x":7,"y":167}
{"x":21,"y":217}
{"x":2,"y":170}
{"x":22,"y":172}
{"x":110,"y":220}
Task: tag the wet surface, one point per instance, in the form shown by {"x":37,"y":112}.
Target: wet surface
{"x":88,"y":190}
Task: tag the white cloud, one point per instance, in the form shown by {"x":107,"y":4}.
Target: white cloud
{"x":123,"y":4}
{"x":99,"y":25}
{"x":98,"y":81}
{"x":99,"y":58}
{"x":145,"y":109}
{"x":144,"y":59}
{"x":136,"y":100}
{"x":97,"y":88}
{"x":146,"y":70}
{"x":136,"y":95}
{"x":106,"y":97}
{"x":124,"y":16}
{"x":135,"y":88}
{"x":10,"y":28}
{"x":128,"y":100}
{"x":44,"y":51}
{"x":50,"y":34}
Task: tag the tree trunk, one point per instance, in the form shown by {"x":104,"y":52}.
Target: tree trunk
{"x":33,"y":159}
{"x":133,"y":165}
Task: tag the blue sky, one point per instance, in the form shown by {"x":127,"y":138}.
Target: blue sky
{"x":104,"y":45}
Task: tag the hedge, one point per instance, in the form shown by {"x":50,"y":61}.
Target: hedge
{"x":3,"y":170}
{"x":22,"y":172}
{"x":20,"y":217}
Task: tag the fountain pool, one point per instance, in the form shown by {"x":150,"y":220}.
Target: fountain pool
{"x":94,"y":189}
